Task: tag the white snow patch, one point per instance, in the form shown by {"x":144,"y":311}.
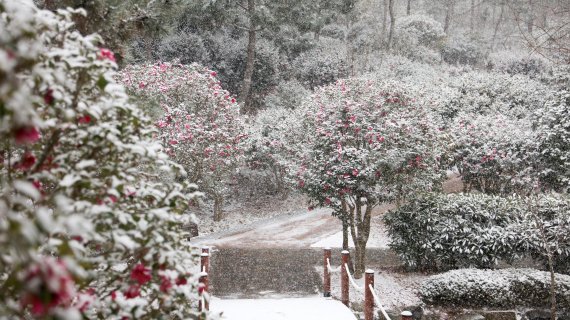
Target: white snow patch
{"x":309,"y":308}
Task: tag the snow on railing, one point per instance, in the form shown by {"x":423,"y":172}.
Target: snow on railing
{"x":352,"y":282}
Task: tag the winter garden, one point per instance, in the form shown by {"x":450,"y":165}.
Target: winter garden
{"x":430,"y":139}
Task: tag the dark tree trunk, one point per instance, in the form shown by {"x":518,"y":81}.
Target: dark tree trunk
{"x":360,"y":230}
{"x":472,"y":17}
{"x":245,"y":94}
{"x":497,"y":26}
{"x":392,"y":23}
{"x":409,"y":7}
{"x":530,"y":17}
{"x":218,"y":204}
{"x":449,"y":12}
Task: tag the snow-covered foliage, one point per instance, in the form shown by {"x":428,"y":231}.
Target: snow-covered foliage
{"x":288,"y":95}
{"x":463,"y":50}
{"x":505,"y":288}
{"x":322,"y":65}
{"x":184,"y":47}
{"x":201,"y":125}
{"x":494,"y":154}
{"x":419,"y":37}
{"x":85,"y":230}
{"x":477,"y":230}
{"x":531,"y":65}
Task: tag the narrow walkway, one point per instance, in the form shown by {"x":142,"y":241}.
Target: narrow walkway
{"x":310,"y":308}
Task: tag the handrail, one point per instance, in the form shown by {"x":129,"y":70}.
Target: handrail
{"x":377,"y":300}
{"x":359,"y":289}
{"x":330,"y":269}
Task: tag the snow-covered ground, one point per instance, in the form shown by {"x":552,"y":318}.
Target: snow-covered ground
{"x":309,"y":308}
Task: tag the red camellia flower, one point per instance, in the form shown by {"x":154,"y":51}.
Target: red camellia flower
{"x":106,"y":54}
{"x":213,"y":73}
{"x":26,"y":135}
{"x":48,"y":97}
{"x":181,"y":281}
{"x":133,"y":292}
{"x":165,"y":284}
{"x":85,"y":119}
{"x":27,"y":162}
{"x":141,"y":274}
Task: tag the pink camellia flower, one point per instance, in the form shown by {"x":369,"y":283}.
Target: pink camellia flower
{"x":355,"y":172}
{"x":141,"y":274}
{"x":142,"y":85}
{"x":25,"y":135}
{"x":213,"y":73}
{"x":327,"y":201}
{"x":105,"y":53}
{"x":181,"y":281}
{"x":301,"y":183}
{"x":165,"y":284}
{"x":47,"y":285}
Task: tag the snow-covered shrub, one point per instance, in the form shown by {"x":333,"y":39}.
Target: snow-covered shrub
{"x":419,"y":37}
{"x":553,"y":125}
{"x":461,"y":50}
{"x":288,"y":95}
{"x":490,"y":93}
{"x":321,"y":65}
{"x":291,"y":42}
{"x":334,"y":31}
{"x":506,"y":288}
{"x":201,"y":125}
{"x":494,"y":154}
{"x":228,"y":59}
{"x":510,"y":62}
{"x":439,"y":231}
{"x":89,"y":229}
{"x":184,"y":47}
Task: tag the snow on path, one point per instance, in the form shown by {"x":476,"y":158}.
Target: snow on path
{"x":309,"y":308}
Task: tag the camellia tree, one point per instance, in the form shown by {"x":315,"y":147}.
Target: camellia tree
{"x":89,"y":228}
{"x":201,"y":122}
{"x":369,"y":143}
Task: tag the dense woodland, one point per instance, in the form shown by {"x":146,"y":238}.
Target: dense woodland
{"x":112,"y":141}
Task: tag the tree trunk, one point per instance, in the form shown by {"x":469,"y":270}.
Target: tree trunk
{"x":530,"y":17}
{"x":218,"y":203}
{"x":499,"y":21}
{"x":472,"y":17}
{"x":392,"y":23}
{"x":360,"y":230}
{"x":449,"y":15}
{"x":245,"y":94}
{"x":409,"y":7}
{"x":384,"y":22}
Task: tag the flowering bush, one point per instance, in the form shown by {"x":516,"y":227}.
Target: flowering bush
{"x":368,"y":143}
{"x":85,"y":230}
{"x":201,"y":123}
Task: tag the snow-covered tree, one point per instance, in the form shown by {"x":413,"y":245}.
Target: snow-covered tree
{"x":201,"y":123}
{"x":369,"y":143}
{"x":88,"y":227}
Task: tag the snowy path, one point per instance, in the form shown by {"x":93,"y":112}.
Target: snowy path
{"x":309,"y":308}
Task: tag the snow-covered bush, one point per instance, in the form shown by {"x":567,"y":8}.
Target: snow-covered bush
{"x":288,"y":95}
{"x":291,"y":42}
{"x":184,"y":47}
{"x":334,"y":31}
{"x":553,"y":125}
{"x":506,"y":288}
{"x":228,"y":59}
{"x":201,"y":124}
{"x":490,"y":93}
{"x":368,"y":142}
{"x":461,"y":50}
{"x":494,"y":154}
{"x":441,"y":231}
{"x":419,"y":37}
{"x":321,"y":65}
{"x":510,"y":62}
{"x":88,"y":229}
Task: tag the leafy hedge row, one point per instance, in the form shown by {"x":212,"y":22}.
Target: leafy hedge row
{"x":504,"y":288}
{"x":440,"y":231}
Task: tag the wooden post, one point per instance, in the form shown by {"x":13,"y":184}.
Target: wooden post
{"x":203,"y":290}
{"x":205,"y":249}
{"x":344,"y":278}
{"x":368,"y":297}
{"x":406,"y":315}
{"x":205,"y":262}
{"x":327,"y":274}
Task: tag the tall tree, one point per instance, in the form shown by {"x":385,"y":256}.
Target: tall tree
{"x":392,"y":23}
